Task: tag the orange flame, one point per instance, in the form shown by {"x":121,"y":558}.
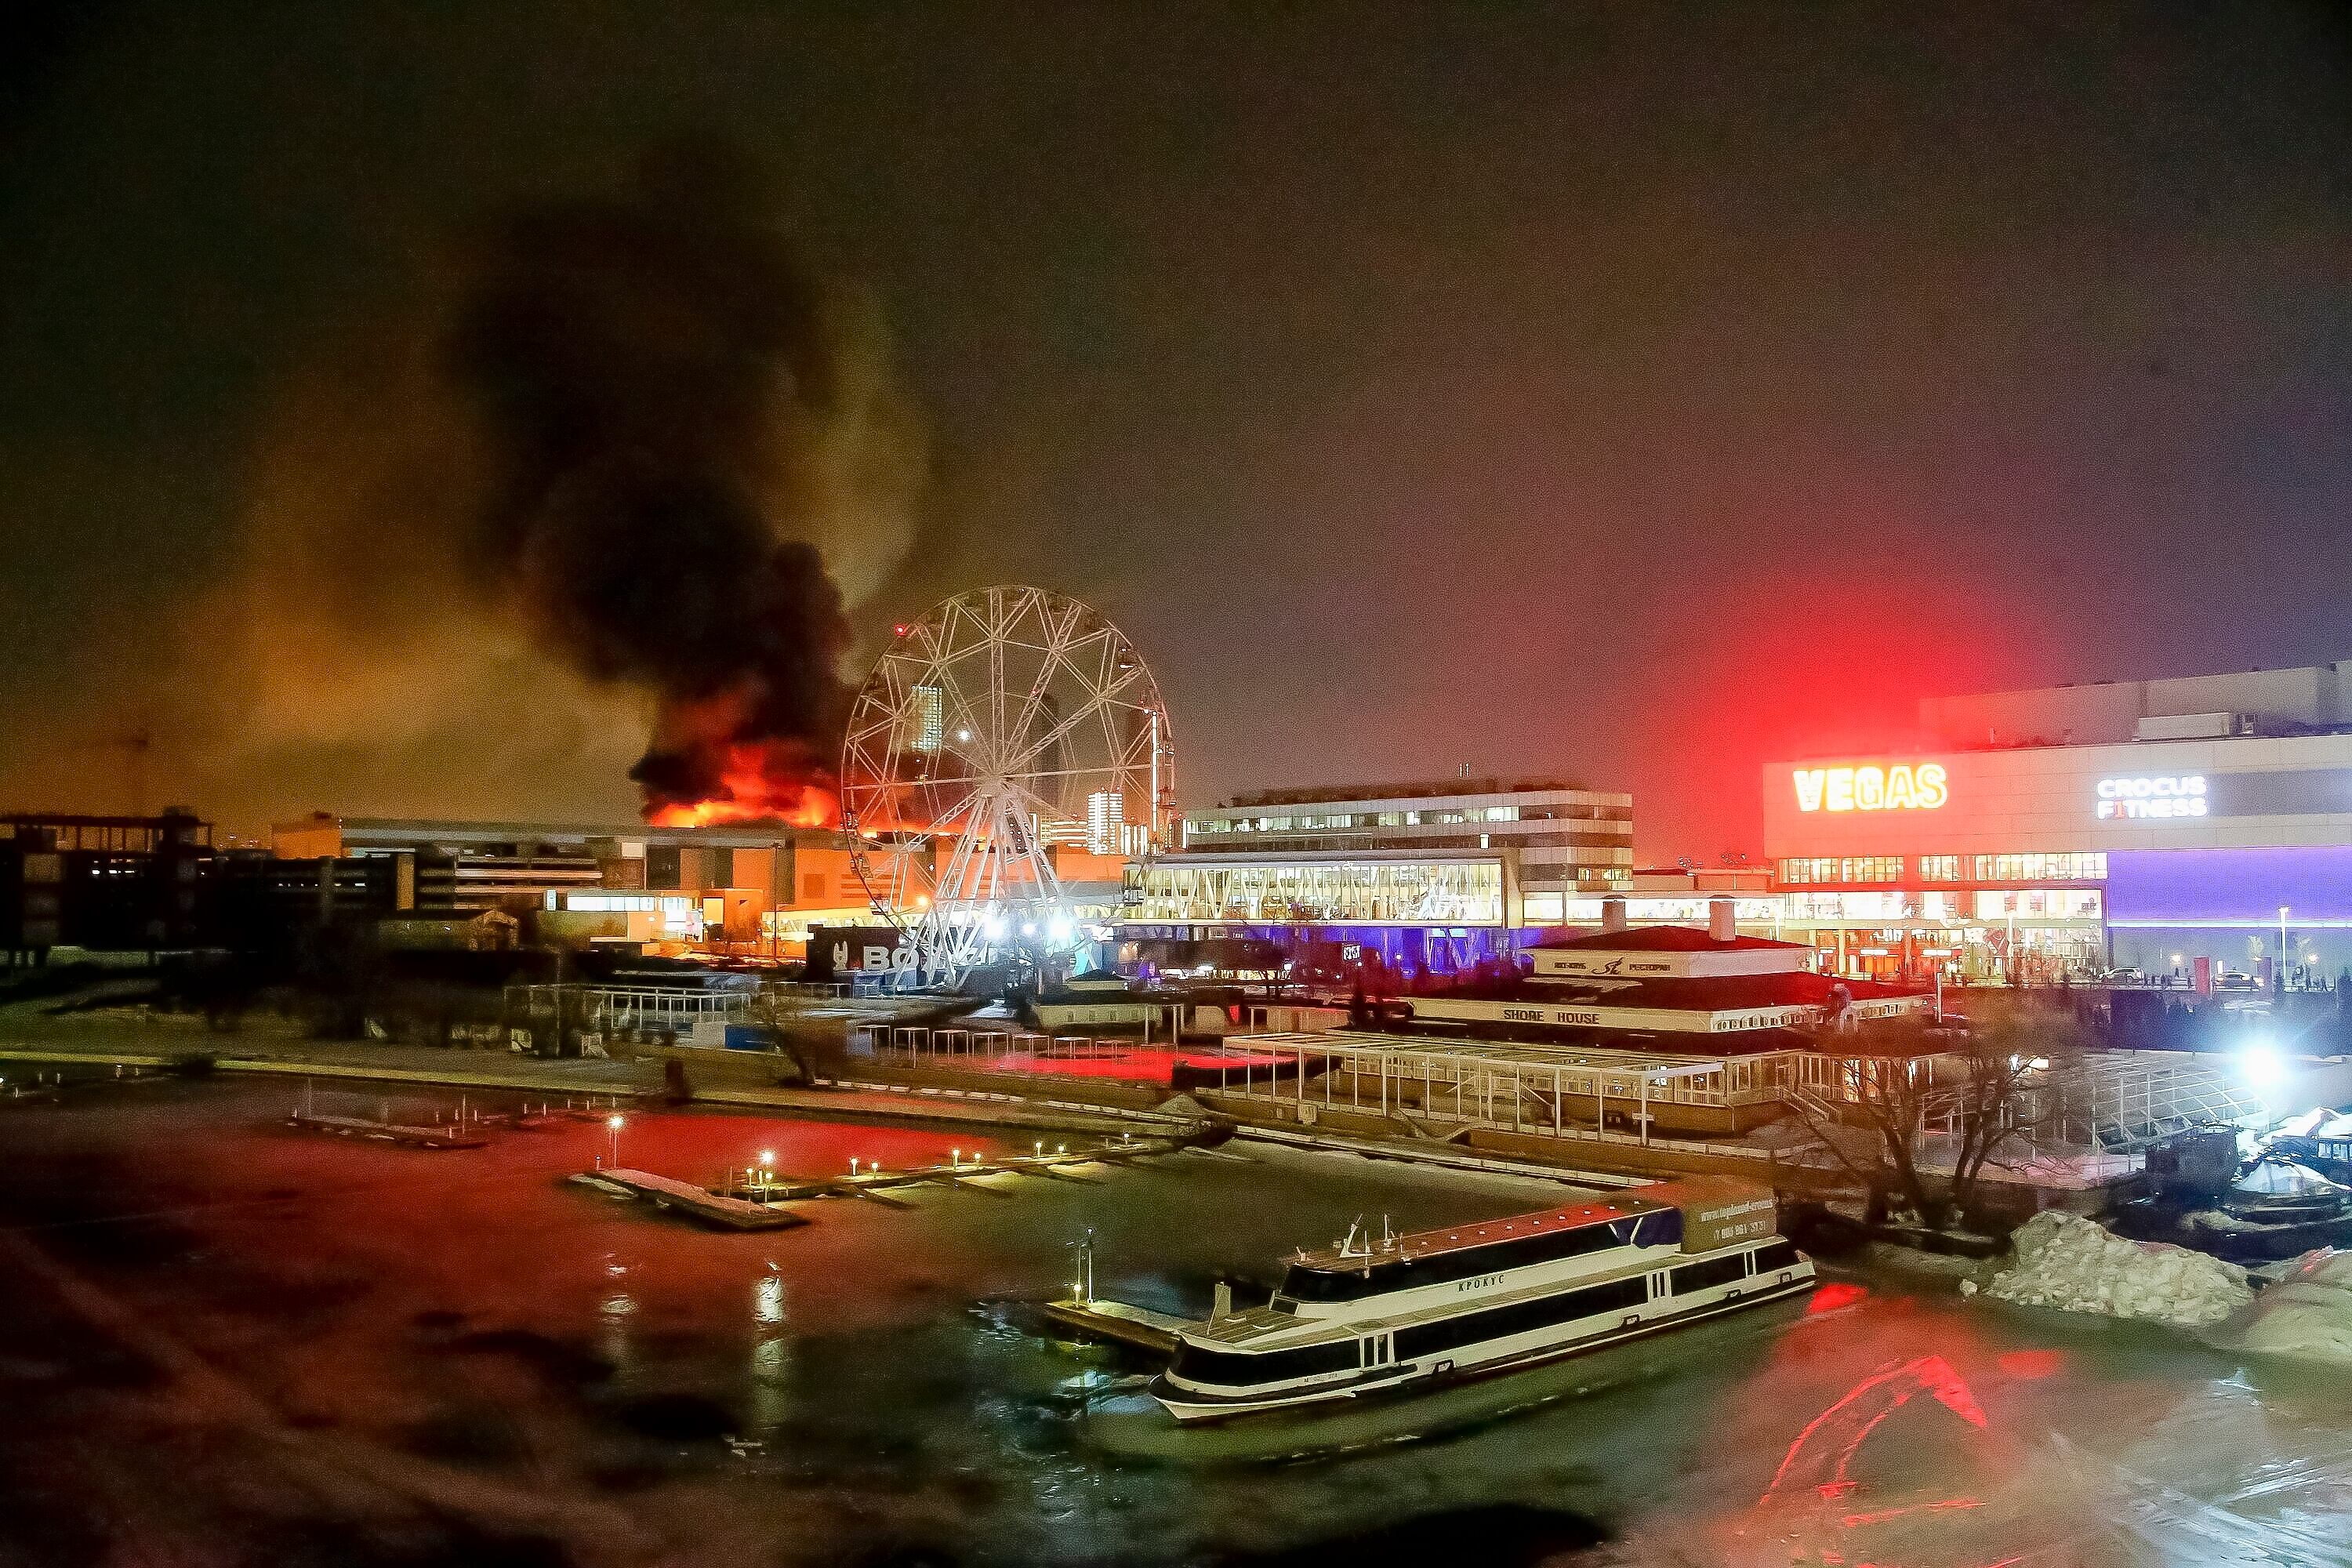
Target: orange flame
{"x":757,"y":783}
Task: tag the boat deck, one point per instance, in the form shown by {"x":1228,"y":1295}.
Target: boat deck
{"x":1459,"y":1237}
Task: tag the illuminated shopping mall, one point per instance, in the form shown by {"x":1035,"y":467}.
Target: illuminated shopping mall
{"x":2195,"y":830}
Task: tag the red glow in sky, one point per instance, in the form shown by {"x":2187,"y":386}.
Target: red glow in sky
{"x":1791,"y":664}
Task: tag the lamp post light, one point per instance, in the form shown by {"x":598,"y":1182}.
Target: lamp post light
{"x":612,"y":1127}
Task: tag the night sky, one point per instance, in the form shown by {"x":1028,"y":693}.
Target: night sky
{"x":1629,"y":392}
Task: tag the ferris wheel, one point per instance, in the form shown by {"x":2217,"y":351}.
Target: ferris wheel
{"x":1008,"y":726}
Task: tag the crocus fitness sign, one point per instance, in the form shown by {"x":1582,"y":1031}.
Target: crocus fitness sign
{"x":2171,"y":795}
{"x":1872,"y":787}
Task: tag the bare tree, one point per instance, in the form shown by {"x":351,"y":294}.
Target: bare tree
{"x":1902,"y":1082}
{"x":1870,"y":1119}
{"x":1985,"y":1113}
{"x":2007,"y":1058}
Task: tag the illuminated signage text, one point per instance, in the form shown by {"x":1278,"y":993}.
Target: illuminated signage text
{"x":2181,"y":795}
{"x":1551,"y":1016}
{"x":1905,"y":786}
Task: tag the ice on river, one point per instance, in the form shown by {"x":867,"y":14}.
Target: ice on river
{"x":2308,"y":1315}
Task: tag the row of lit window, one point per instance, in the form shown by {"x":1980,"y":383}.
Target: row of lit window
{"x":2090,"y":866}
{"x":1310,"y":821}
{"x":1848,"y":868}
{"x":1813,"y":871}
{"x":1355,"y":819}
{"x":619,"y":903}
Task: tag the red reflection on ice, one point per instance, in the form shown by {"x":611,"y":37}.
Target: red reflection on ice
{"x":1822,"y":1451}
{"x":1817,"y":1469}
{"x":1855,"y":1520}
{"x":2033,"y":1363}
{"x":1830,"y":1298}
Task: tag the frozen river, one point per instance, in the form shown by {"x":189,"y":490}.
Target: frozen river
{"x":224,"y":1342}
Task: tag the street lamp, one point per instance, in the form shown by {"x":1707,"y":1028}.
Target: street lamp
{"x":613,"y":1126}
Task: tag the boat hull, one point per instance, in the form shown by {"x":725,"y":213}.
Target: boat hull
{"x":1193,"y":1407}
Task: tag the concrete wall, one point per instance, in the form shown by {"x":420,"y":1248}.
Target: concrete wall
{"x":2107,"y":711}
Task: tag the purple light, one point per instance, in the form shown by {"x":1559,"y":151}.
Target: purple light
{"x":2192,"y":886}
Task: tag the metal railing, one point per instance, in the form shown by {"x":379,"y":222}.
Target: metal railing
{"x":2122,"y":1103}
{"x":1521,"y":1089}
{"x":627,"y":1009}
{"x":805,"y":990}
{"x":921,"y":1043}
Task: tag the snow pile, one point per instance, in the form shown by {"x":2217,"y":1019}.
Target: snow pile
{"x":2308,"y":1315}
{"x":2070,"y":1263}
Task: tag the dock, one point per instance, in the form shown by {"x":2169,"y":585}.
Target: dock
{"x":1060,"y":1165}
{"x":450,"y":1137}
{"x":1121,"y":1322}
{"x":48,"y":1087}
{"x":735,"y":1213}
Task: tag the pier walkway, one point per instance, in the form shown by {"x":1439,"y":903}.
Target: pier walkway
{"x":665,"y":1192}
{"x":455,"y":1136}
{"x":1060,"y":1163}
{"x":1122,"y":1321}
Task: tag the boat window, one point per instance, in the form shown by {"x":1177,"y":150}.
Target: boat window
{"x":1521,"y":1317}
{"x":1775,"y":1254}
{"x":1247,"y":1369}
{"x":1661,"y":1228}
{"x":1714,"y":1271}
{"x":1330,"y":1285}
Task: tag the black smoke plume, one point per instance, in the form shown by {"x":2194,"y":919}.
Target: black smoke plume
{"x":658,"y":378}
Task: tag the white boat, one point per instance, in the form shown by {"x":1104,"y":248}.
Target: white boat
{"x":1371,"y":1317}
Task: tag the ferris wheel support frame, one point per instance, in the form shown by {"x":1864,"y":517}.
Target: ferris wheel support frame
{"x":998,"y":869}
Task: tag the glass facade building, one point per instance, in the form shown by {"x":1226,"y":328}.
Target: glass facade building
{"x":1564,"y":839}
{"x":2193,"y":830}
